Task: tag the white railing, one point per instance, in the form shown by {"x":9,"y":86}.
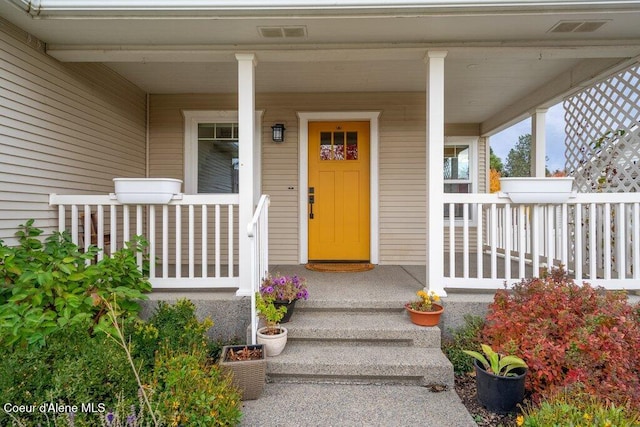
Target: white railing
{"x":258,"y":232}
{"x":596,"y":237}
{"x":193,"y":239}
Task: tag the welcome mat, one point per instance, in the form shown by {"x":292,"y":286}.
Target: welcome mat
{"x":339,"y":267}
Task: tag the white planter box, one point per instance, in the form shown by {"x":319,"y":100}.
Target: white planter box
{"x":146,"y":190}
{"x":537,"y":189}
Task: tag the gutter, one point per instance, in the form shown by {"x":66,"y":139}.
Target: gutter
{"x":106,"y":9}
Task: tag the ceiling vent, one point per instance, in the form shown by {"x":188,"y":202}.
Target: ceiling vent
{"x":576,"y":26}
{"x":283,"y":32}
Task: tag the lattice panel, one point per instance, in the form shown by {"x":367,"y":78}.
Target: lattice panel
{"x":602,"y":144}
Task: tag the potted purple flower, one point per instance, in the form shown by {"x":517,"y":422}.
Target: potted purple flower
{"x":285,"y":291}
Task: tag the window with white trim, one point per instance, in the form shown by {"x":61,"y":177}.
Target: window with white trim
{"x":211,"y":152}
{"x":459,"y":169}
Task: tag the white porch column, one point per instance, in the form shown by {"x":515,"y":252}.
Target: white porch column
{"x":538,"y":142}
{"x":435,"y":179}
{"x":246,"y":141}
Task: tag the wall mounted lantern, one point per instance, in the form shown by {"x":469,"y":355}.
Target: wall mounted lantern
{"x":277,"y":132}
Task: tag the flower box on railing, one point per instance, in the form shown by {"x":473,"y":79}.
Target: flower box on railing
{"x":146,"y":190}
{"x":537,"y":189}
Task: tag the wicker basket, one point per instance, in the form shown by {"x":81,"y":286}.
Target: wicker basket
{"x":248,"y":375}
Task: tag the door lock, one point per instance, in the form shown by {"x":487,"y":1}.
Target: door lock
{"x":312,"y":200}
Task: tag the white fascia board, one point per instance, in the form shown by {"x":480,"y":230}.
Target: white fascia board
{"x":150,"y":8}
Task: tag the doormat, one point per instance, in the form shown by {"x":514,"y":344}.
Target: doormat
{"x":339,"y":267}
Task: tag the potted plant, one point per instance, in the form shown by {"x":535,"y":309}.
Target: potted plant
{"x":425,"y":311}
{"x":285,"y":291}
{"x":499,"y":379}
{"x":272,"y":336}
{"x":248,"y":366}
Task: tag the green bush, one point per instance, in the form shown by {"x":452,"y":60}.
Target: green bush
{"x":72,"y":369}
{"x":463,"y":338}
{"x":172,"y":328}
{"x":574,"y":407}
{"x":191,"y":392}
{"x":45,"y":287}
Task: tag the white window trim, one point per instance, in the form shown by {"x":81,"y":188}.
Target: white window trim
{"x":473,"y":173}
{"x":192,"y":118}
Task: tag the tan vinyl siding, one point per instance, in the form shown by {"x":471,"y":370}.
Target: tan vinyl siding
{"x":64,"y":128}
{"x":402,"y":161}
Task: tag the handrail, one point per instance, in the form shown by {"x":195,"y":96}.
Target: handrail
{"x":253,"y":225}
{"x":257,"y":230}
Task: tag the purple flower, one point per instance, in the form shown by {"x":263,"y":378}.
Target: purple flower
{"x":131,"y":420}
{"x":109,"y":418}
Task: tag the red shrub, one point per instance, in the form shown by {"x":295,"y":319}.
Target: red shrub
{"x":569,"y":333}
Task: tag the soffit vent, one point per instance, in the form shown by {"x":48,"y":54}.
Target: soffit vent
{"x":576,"y":26}
{"x":283,"y":32}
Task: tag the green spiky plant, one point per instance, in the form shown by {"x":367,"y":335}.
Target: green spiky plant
{"x":496,"y":363}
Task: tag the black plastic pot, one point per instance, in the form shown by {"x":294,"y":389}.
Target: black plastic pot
{"x":290,"y":306}
{"x":497,"y":393}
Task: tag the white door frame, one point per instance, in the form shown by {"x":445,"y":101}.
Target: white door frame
{"x":303,"y":150}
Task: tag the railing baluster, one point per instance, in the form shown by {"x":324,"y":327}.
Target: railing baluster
{"x":593,"y":253}
{"x":452,"y":241}
{"x":535,"y":240}
{"x":621,"y":253}
{"x":191,"y":242}
{"x":74,"y":225}
{"x":465,"y":240}
{"x":564,"y":241}
{"x":165,"y":241}
{"x":100,"y":231}
{"x":494,"y":241}
{"x":522,"y":242}
{"x":178,"y":241}
{"x":551,"y":225}
{"x":230,"y":237}
{"x":507,"y":242}
{"x":205,"y":245}
{"x":113,"y":232}
{"x":607,"y":241}
{"x":636,"y":241}
{"x":480,"y":241}
{"x":217,"y":241}
{"x":62,"y":218}
{"x":126,"y":224}
{"x":139,"y":225}
{"x":577,"y":258}
{"x":152,"y":247}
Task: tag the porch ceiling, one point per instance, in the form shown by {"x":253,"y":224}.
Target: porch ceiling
{"x":502,"y":62}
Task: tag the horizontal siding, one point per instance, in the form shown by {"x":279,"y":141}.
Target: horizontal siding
{"x":402,"y":161}
{"x":64,"y":128}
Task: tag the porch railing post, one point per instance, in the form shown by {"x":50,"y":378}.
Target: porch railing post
{"x":435,"y":178}
{"x":246,"y":133}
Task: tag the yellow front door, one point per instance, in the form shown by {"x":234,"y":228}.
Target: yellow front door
{"x":338,"y":209}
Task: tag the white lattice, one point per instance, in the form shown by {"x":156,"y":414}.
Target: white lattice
{"x":602,"y":144}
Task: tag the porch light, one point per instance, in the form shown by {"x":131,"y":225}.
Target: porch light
{"x":277,"y":132}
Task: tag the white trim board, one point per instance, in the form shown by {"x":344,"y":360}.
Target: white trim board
{"x":303,"y":176}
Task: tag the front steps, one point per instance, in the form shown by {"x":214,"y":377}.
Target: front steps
{"x":373,"y":344}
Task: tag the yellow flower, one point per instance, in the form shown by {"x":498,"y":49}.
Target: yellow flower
{"x":422,"y":294}
{"x":520,"y":420}
{"x":436,"y":297}
{"x":587,"y":417}
{"x":607,"y":423}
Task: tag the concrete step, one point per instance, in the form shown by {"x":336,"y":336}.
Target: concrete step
{"x":360,"y":328}
{"x":307,"y":362}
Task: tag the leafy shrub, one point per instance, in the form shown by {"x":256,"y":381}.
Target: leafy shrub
{"x":45,"y":287}
{"x":569,"y":333}
{"x":463,"y":338}
{"x":73,"y":368}
{"x":573,"y":407}
{"x":189,"y":392}
{"x":172,"y":328}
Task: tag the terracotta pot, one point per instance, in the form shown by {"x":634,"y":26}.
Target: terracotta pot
{"x":425,"y":318}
